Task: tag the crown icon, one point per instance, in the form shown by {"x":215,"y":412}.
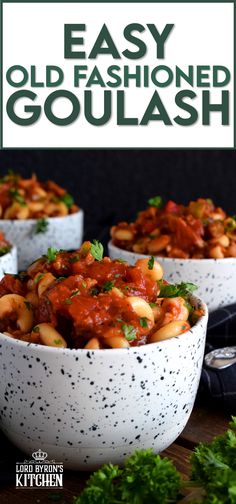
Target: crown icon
{"x":39,"y":455}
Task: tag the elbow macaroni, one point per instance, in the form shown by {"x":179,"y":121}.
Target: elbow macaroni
{"x":80,"y":300}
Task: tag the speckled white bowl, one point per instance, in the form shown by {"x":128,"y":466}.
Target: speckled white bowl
{"x":215,"y":278}
{"x":86,"y":408}
{"x":8,"y":262}
{"x":62,"y":233}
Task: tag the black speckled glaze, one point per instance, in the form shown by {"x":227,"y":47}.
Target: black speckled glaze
{"x":62,"y":233}
{"x":215,"y":278}
{"x":90,"y":407}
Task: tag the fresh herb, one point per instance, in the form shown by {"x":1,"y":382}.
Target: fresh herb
{"x":101,"y":487}
{"x":60,"y":279}
{"x":41,"y":226}
{"x":38,"y":277}
{"x":214,"y":467}
{"x":5,"y":250}
{"x":173,"y":290}
{"x":108,"y":286}
{"x":67,"y":301}
{"x":75,"y":293}
{"x":74,"y":259}
{"x":35,"y":329}
{"x":152,"y":305}
{"x":15,"y":195}
{"x":94,"y":291}
{"x":97,"y":250}
{"x":51,"y":254}
{"x":147,"y":478}
{"x":151,"y":263}
{"x":129,"y":332}
{"x":143,"y":322}
{"x":231,"y":223}
{"x":156,"y":202}
{"x":57,"y":342}
{"x":28,"y":305}
{"x":68,"y":200}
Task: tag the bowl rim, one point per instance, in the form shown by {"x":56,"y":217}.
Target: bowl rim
{"x":206,"y":260}
{"x":111,"y":351}
{"x":50,"y":219}
{"x":10,"y":252}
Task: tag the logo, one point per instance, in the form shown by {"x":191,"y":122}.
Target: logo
{"x":39,"y":472}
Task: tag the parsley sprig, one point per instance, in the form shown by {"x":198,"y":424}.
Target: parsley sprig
{"x":97,"y":250}
{"x":184,"y":289}
{"x":156,"y":202}
{"x":16,"y":196}
{"x":5,"y":250}
{"x":129,"y":332}
{"x":41,"y":226}
{"x":68,"y":200}
{"x":107,"y":286}
{"x":51,"y":254}
{"x":147,"y":478}
{"x":151,"y":263}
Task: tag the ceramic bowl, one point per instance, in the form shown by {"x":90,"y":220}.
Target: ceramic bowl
{"x":215,"y":278}
{"x":62,"y":233}
{"x":8,"y":262}
{"x":87,"y":408}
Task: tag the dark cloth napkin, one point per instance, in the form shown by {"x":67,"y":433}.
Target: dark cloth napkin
{"x":219,"y":386}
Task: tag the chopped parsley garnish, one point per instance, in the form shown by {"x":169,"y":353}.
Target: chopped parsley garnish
{"x":67,"y":301}
{"x":5,"y":250}
{"x":68,"y":200}
{"x":75,"y":293}
{"x":57,"y":342}
{"x":38,"y":277}
{"x":231,"y":224}
{"x":152,"y":305}
{"x":129,"y":332}
{"x":97,"y":250}
{"x":74,"y":259}
{"x":35,"y":329}
{"x":41,"y":226}
{"x":51,"y":254}
{"x":156,"y":202}
{"x":15,"y":195}
{"x":173,"y":290}
{"x":28,"y":304}
{"x":151,"y":263}
{"x":108,"y":286}
{"x":143,"y":322}
{"x":94,"y":291}
{"x":60,"y":279}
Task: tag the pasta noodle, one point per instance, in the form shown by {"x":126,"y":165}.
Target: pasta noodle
{"x":82,"y":300}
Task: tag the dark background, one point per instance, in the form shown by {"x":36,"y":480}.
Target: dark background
{"x":113,"y":185}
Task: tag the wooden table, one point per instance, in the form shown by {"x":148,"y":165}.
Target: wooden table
{"x":204,"y":423}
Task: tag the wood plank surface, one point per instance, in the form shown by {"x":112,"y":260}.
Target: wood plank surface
{"x":204,"y":424}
